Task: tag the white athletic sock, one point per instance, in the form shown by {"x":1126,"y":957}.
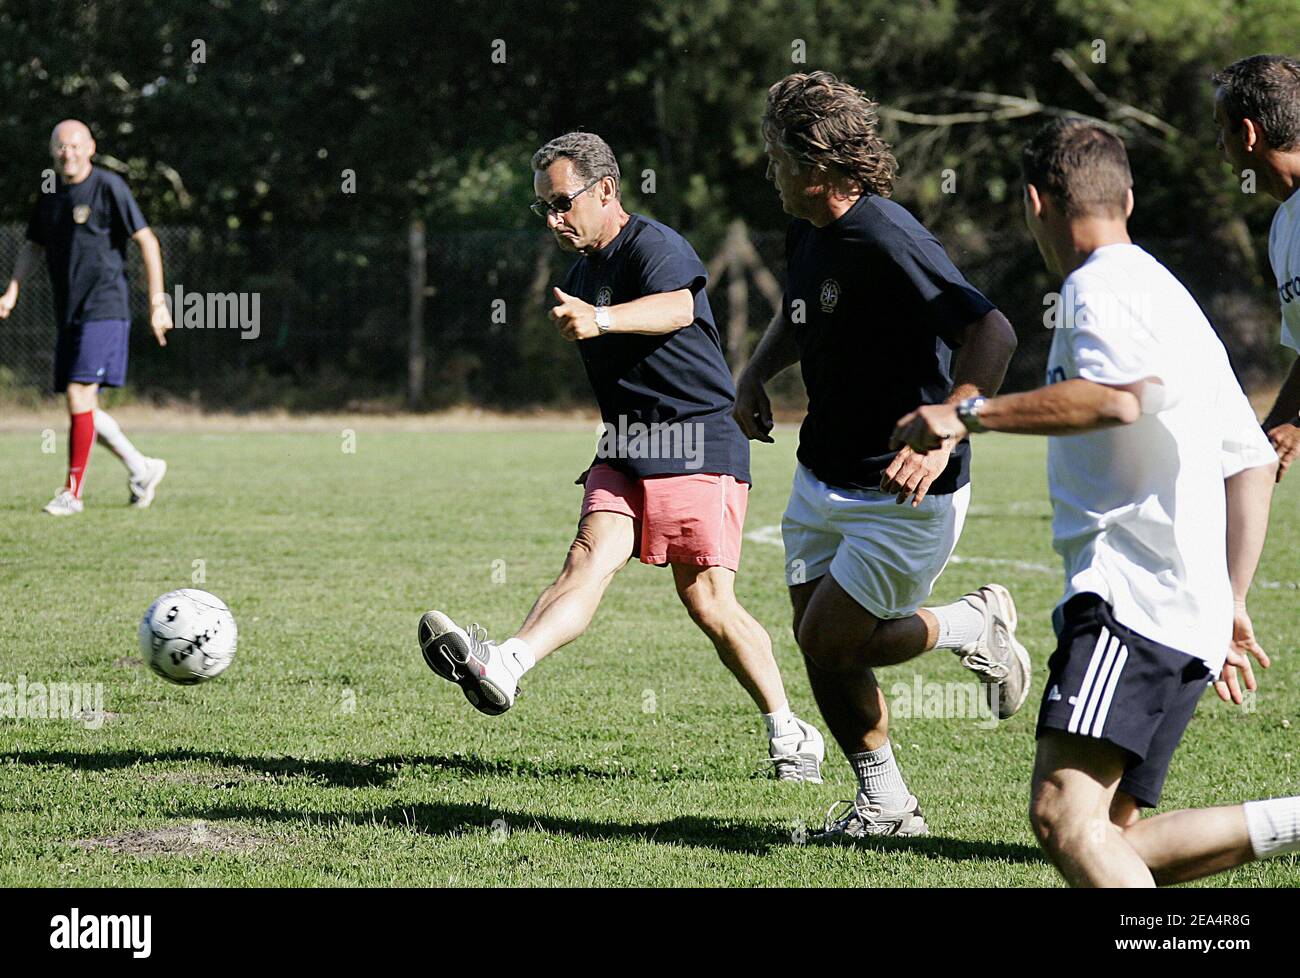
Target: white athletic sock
{"x":880,"y":781}
{"x":518,"y":656}
{"x":1274,"y":826}
{"x":960,"y":624}
{"x":111,"y":435}
{"x":780,"y":722}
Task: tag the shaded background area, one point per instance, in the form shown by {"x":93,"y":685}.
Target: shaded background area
{"x":363,"y":167}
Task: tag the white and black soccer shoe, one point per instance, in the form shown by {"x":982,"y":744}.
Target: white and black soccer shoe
{"x":999,"y":661}
{"x":859,"y":819}
{"x":798,"y":755}
{"x":469,"y":660}
{"x":144,"y":488}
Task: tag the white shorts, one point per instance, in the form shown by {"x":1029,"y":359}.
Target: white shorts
{"x":886,"y":556}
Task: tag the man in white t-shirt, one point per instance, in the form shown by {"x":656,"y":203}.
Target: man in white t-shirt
{"x":1160,"y":481}
{"x":1257,"y":109}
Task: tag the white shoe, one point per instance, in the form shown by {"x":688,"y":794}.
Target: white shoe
{"x":64,"y":504}
{"x":861,"y":818}
{"x":143,"y":489}
{"x":798,"y":755}
{"x":1000,"y":662}
{"x":469,"y":660}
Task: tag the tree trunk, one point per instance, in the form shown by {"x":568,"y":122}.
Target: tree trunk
{"x":737,"y":298}
{"x":415,"y":351}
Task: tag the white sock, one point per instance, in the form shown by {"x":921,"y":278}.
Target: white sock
{"x":1274,"y":826}
{"x":108,"y":431}
{"x":518,"y":656}
{"x":780,"y":722}
{"x":960,"y":624}
{"x":880,"y":781}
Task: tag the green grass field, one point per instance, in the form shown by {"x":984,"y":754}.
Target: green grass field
{"x":329,"y":755}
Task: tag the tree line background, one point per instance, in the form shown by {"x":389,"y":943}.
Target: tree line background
{"x":421,"y":279}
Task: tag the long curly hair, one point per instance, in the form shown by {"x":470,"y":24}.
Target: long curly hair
{"x":828,"y":124}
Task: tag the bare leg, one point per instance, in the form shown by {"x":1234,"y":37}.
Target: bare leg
{"x":743,"y":644}
{"x":844,"y":686}
{"x":82,"y":398}
{"x":1074,"y":784}
{"x":1185,"y":845}
{"x":565,"y":609}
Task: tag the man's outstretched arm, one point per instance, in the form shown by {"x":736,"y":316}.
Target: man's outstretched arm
{"x":1067,"y":408}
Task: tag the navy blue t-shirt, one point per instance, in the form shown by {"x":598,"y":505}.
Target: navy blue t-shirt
{"x":84,"y":228}
{"x":882,"y":308}
{"x":665,"y":400}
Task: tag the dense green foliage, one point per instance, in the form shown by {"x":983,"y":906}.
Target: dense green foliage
{"x":233,"y":114}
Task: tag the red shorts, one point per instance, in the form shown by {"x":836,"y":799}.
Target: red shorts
{"x":677,"y":519}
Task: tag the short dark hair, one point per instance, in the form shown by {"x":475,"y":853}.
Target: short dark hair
{"x":1265,"y":88}
{"x":1080,"y":164}
{"x":590,"y":155}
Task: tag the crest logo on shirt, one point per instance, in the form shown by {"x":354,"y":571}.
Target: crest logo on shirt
{"x":829,"y":295}
{"x":81,"y":213}
{"x":605,"y":296}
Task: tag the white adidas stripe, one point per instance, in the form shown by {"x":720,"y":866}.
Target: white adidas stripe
{"x":1099,"y":684}
{"x":1085,"y":688}
{"x":1104,"y":709}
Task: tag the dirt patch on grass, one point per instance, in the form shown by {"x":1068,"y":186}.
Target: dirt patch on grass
{"x":206,"y":779}
{"x":176,"y":840}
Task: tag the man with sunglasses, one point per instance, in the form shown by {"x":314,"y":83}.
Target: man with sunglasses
{"x":670,"y":480}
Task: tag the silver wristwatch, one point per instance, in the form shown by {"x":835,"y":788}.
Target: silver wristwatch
{"x":603,"y":322}
{"x":968,"y":413}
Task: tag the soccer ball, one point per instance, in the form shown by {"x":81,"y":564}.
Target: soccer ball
{"x":188,"y":636}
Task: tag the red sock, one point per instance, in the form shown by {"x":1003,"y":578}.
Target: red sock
{"x":81,"y":437}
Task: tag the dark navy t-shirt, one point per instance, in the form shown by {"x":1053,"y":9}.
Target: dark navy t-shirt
{"x":665,"y":400}
{"x":84,"y":228}
{"x":881,"y":307}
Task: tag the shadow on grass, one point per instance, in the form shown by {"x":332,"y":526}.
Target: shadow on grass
{"x":369,"y":772}
{"x":458,"y":819}
{"x":754,"y":838}
{"x":452,"y":819}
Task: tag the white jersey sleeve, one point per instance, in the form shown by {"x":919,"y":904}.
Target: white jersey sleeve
{"x":1112,"y":344}
{"x":1245,"y":446}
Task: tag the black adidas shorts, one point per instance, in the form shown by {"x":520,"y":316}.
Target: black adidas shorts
{"x":1107,"y":681}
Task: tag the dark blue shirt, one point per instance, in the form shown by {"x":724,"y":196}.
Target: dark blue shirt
{"x":665,"y":400}
{"x":876,"y":307}
{"x":84,"y":228}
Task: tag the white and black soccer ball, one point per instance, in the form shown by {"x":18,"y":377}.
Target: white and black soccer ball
{"x":188,"y":636}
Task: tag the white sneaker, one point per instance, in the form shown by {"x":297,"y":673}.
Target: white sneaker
{"x":469,"y":660}
{"x":798,"y":755}
{"x":143,"y":489}
{"x":1000,"y":662}
{"x":64,"y":504}
{"x":861,"y":819}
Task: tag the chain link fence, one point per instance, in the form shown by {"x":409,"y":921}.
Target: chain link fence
{"x":333,"y":310}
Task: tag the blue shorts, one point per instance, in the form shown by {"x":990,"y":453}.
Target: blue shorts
{"x":1108,"y":682}
{"x":92,"y":353}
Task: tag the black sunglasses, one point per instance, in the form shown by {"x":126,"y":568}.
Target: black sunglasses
{"x":561,"y":204}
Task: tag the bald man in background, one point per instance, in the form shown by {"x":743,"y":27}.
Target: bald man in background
{"x":82,"y":228}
